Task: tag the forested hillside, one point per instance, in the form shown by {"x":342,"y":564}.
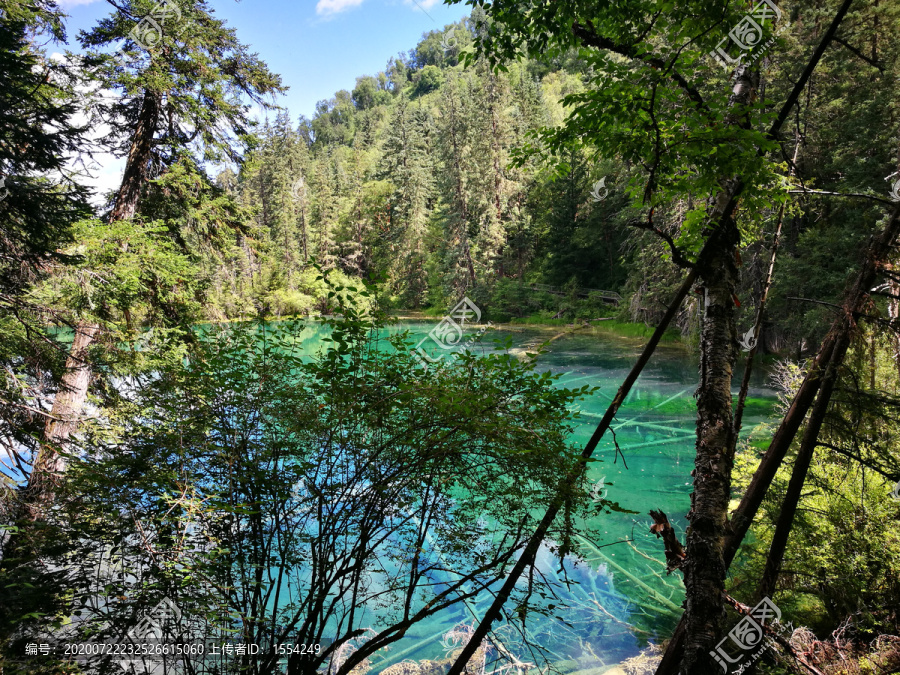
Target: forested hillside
{"x":410,"y":178}
{"x":407,"y":178}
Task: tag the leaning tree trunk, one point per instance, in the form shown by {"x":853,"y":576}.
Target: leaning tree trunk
{"x":840,"y":335}
{"x":856,"y":300}
{"x":72,"y":395}
{"x":63,"y":420}
{"x":798,"y":474}
{"x":761,"y":309}
{"x":674,"y":657}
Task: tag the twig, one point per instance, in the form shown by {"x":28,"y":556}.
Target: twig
{"x":677,"y":257}
{"x":818,"y":302}
{"x":842,"y":194}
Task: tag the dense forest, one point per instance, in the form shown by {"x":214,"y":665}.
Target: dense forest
{"x":213,"y":420}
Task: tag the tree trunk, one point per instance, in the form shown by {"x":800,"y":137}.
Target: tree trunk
{"x":63,"y":421}
{"x":760,"y":312}
{"x":704,"y":568}
{"x":673,"y":659}
{"x":72,"y":394}
{"x":857,"y":297}
{"x":893,"y":310}
{"x":799,"y":472}
{"x":494,"y":612}
{"x":137,"y":167}
{"x":461,"y":201}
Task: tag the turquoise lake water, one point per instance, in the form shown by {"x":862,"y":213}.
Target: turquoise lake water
{"x":623,"y":597}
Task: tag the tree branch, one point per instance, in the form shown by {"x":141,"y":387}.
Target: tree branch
{"x":675,"y":554}
{"x":677,"y":257}
{"x":856,"y":52}
{"x":745,"y":610}
{"x":800,"y":85}
{"x":842,"y":194}
{"x":590,"y":37}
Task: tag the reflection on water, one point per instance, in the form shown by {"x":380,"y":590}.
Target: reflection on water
{"x":618,"y":597}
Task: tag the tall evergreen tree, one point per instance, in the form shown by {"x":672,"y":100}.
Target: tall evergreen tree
{"x":179,"y":87}
{"x":407,"y":162}
{"x":38,"y":205}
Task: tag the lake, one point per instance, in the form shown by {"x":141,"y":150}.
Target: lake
{"x":622,"y":597}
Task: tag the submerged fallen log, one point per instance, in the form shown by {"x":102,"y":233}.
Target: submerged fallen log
{"x":652,"y":592}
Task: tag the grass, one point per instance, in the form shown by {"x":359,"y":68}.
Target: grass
{"x":634,"y":330}
{"x":538,"y":320}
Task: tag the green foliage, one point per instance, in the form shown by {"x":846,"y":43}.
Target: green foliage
{"x":256,"y":460}
{"x":198,"y":77}
{"x":428,"y":79}
{"x":843,"y":556}
{"x":124,"y":269}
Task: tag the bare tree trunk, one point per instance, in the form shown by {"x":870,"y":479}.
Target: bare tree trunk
{"x":531,"y":549}
{"x":63,"y":420}
{"x":73,"y":389}
{"x":843,"y":330}
{"x":833,"y":351}
{"x":757,"y":325}
{"x":800,"y":470}
{"x":857,"y":297}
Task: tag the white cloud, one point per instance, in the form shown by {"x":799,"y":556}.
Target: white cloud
{"x":329,"y":7}
{"x":103,"y":171}
{"x":66,"y":4}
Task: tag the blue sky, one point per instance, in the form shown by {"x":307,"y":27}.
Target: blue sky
{"x":317,"y":46}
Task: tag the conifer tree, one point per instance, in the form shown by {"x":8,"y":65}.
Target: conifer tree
{"x":39,"y":201}
{"x":407,"y":163}
{"x":184,"y":85}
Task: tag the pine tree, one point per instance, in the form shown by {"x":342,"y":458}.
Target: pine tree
{"x":36,"y":214}
{"x":174,"y":90}
{"x":407,"y":162}
{"x":454,"y":143}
